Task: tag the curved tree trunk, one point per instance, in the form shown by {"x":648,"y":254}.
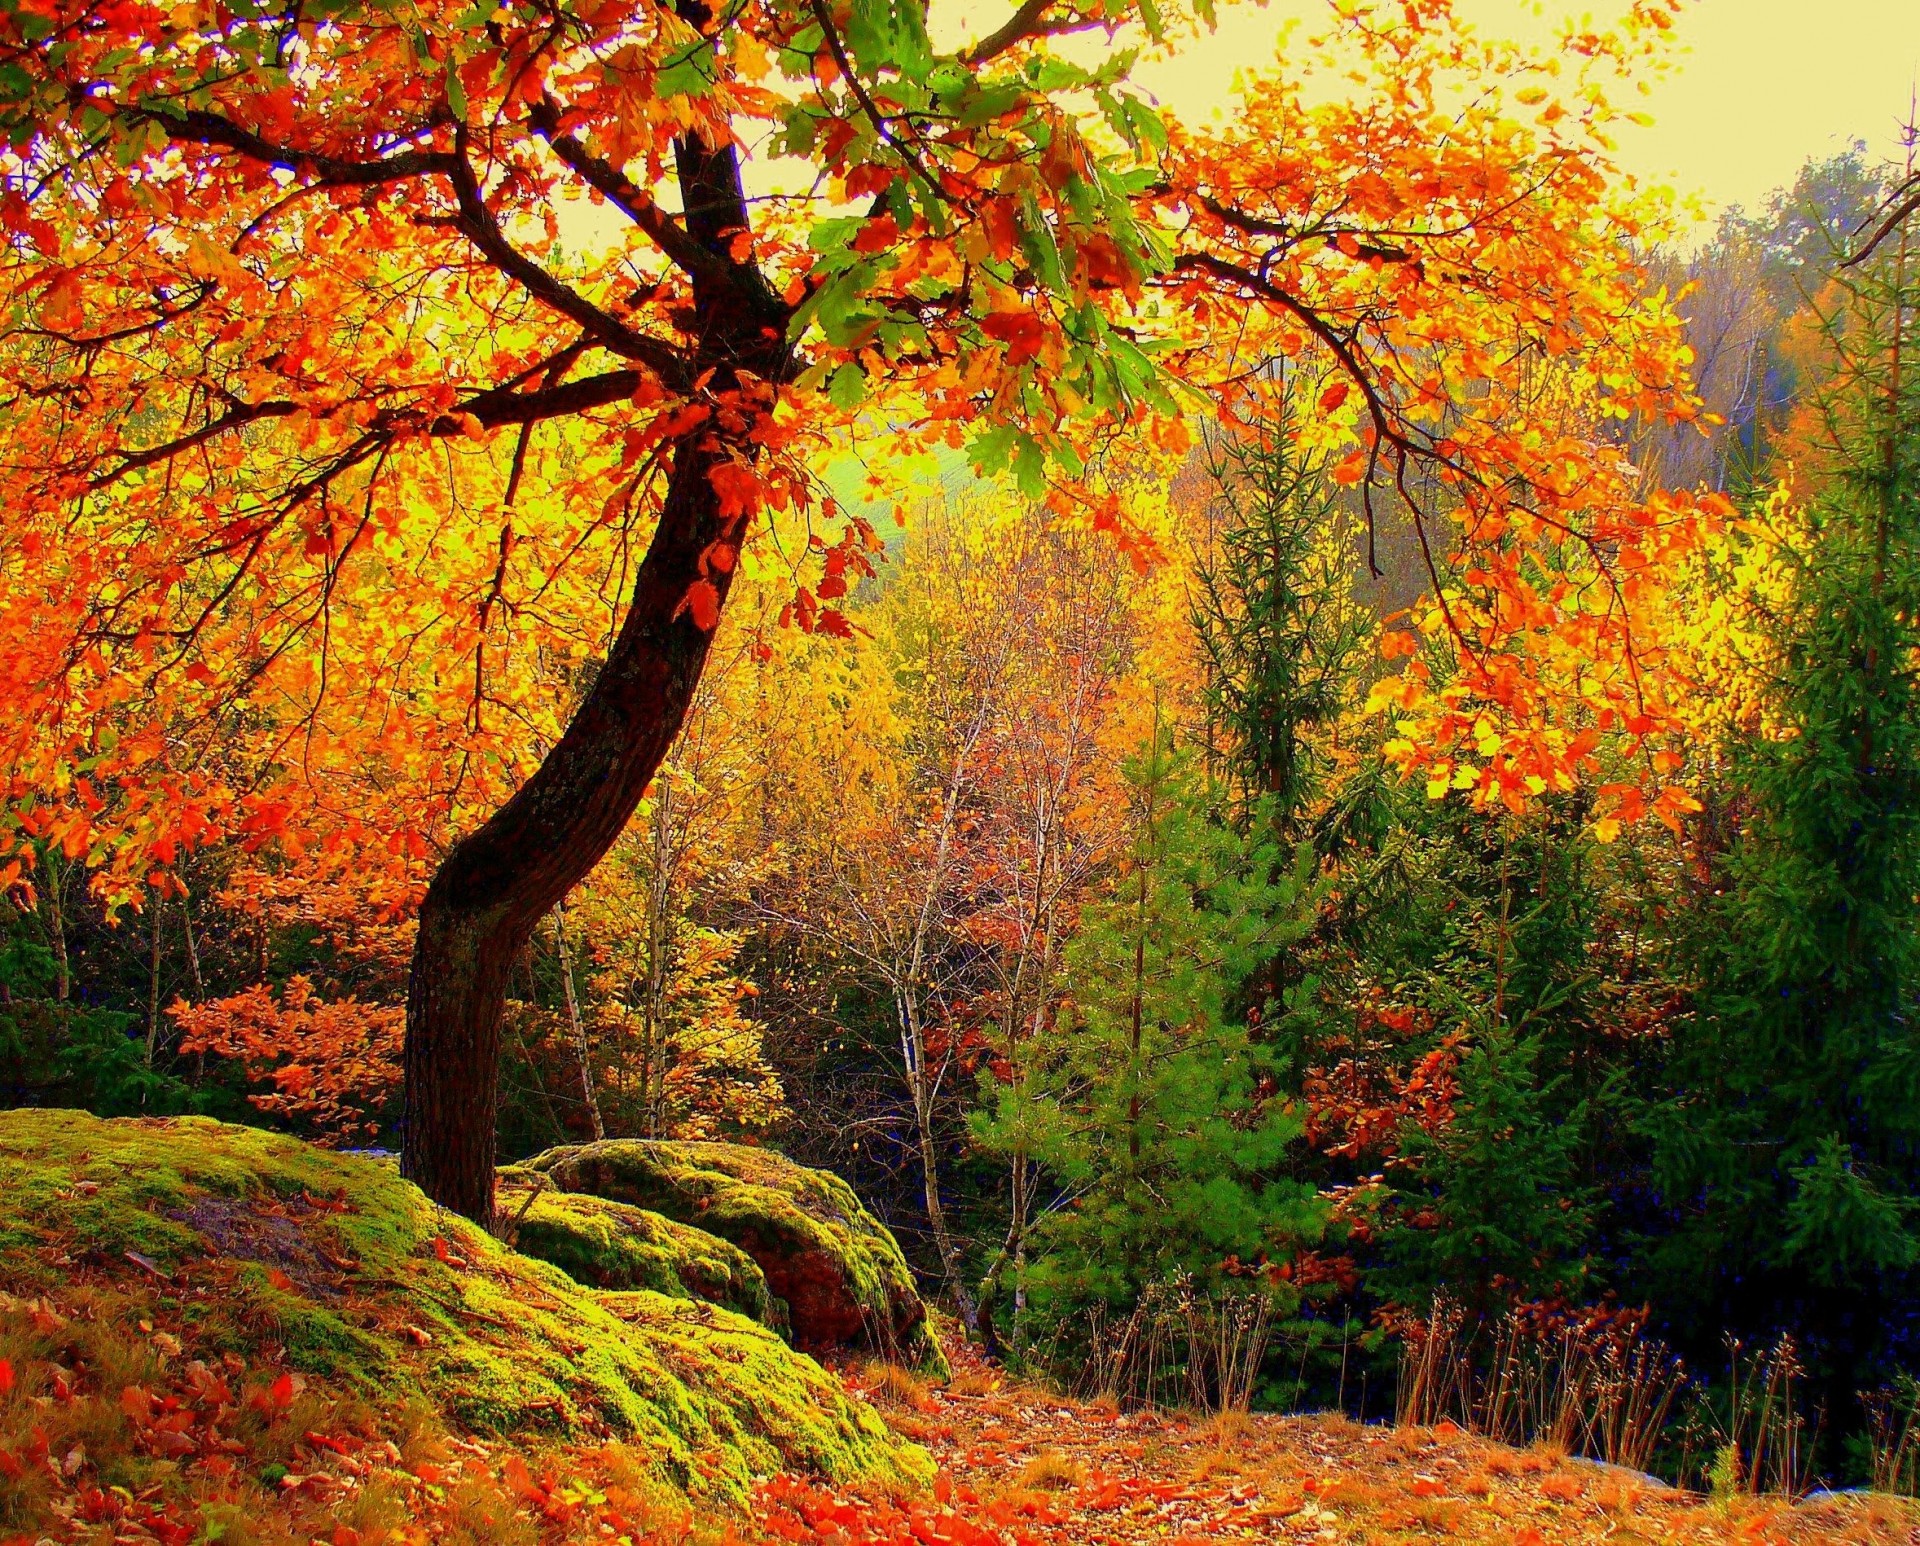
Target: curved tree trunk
{"x":497,"y":884}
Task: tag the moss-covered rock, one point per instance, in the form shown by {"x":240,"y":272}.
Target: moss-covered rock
{"x":614,"y":1245}
{"x":257,"y":1244}
{"x":840,"y":1272}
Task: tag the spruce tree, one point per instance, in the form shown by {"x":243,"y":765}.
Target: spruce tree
{"x":1788,"y":1151}
{"x":1274,"y":611}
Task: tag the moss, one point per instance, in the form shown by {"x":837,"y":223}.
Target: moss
{"x":840,"y":1271}
{"x":613,"y":1245}
{"x":332,"y":1264}
{"x":741,"y":1375}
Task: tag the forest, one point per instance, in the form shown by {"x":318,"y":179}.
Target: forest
{"x":779,"y":771}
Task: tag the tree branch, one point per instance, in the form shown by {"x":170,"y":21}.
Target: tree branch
{"x":1023,"y":24}
{"x":630,"y":199}
{"x":495,"y":409}
{"x":1888,"y":226}
{"x":195,"y":126}
{"x":480,"y":227}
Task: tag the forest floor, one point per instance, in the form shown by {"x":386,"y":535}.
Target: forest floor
{"x":1018,"y":1467}
{"x":1031,"y":1469}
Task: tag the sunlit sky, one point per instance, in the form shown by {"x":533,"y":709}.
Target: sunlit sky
{"x":1756,"y":87}
{"x":1759,"y":85}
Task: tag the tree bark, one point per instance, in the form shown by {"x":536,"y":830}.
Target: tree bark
{"x":496,"y":885}
{"x":153,"y":984}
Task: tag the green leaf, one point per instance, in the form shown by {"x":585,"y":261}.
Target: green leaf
{"x":687,"y":72}
{"x":992,"y":448}
{"x":1039,"y":247}
{"x":986,"y":103}
{"x":848,"y":388}
{"x":1030,"y":468}
{"x":835,"y":235}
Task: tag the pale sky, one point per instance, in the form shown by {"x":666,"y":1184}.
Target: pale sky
{"x":1760,"y":85}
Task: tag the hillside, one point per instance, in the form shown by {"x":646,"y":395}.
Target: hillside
{"x":209,"y":1333}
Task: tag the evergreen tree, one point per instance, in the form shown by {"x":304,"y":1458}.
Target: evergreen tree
{"x":1788,"y":1151}
{"x":1159,"y":1112}
{"x":1489,"y":928}
{"x":1278,"y":624}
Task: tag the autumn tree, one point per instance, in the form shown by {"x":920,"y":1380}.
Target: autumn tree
{"x":361,"y":355}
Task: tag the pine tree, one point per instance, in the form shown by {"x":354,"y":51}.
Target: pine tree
{"x":1159,"y":1113}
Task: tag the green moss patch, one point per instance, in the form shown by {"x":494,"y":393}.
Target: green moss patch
{"x":241,"y":1241}
{"x":613,"y":1245}
{"x":840,"y":1272}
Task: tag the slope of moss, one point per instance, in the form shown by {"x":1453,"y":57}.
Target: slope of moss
{"x":839,"y":1270}
{"x":242,"y":1241}
{"x":613,"y":1245}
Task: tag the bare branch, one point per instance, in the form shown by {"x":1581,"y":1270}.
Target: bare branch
{"x":1888,"y":226}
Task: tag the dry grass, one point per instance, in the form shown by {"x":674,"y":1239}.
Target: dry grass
{"x":1232,"y":1426}
{"x":890,"y":1385}
{"x":1051,"y":1471}
{"x":973,"y":1381}
{"x":1146,"y":1477}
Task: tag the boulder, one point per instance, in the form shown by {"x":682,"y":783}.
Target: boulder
{"x":259,"y":1249}
{"x":838,"y":1269}
{"x":613,"y":1245}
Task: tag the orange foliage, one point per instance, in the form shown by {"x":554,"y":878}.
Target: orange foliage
{"x":332,"y":1067}
{"x":331,"y":426}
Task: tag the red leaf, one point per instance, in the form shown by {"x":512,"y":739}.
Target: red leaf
{"x":702,"y":602}
{"x":877,"y":235}
{"x":6,"y":1376}
{"x":1020,"y":331}
{"x":1333,"y":397}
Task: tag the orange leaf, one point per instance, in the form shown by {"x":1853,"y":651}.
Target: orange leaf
{"x":1351,"y":470}
{"x":60,"y":306}
{"x":1333,"y":397}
